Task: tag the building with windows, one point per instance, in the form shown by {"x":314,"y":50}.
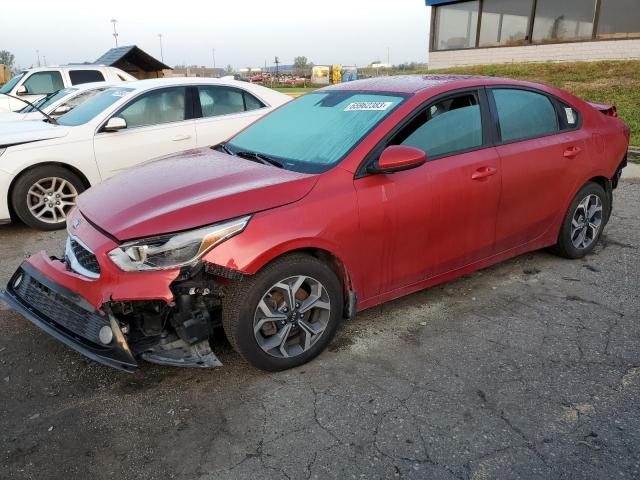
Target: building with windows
{"x":474,"y":32}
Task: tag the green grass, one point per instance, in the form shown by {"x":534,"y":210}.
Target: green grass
{"x":295,"y":89}
{"x":602,"y":82}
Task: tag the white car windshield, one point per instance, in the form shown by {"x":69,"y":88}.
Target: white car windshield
{"x":48,"y":100}
{"x":88,"y":110}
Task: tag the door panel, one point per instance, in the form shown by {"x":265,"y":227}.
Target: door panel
{"x":430,"y":220}
{"x":213,"y":130}
{"x":536,"y":172}
{"x":536,"y":177}
{"x":117,"y":151}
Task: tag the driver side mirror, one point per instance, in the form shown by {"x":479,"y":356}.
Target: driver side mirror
{"x":114,"y":124}
{"x":61,"y":110}
{"x":22,"y":90}
{"x":397,"y":158}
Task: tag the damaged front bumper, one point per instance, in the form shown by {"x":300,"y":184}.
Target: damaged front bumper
{"x":116,"y":317}
{"x":68,"y":317}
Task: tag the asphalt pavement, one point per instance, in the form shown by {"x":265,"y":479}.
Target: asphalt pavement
{"x":529,"y":369}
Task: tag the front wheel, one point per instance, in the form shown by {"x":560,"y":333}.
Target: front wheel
{"x":286,"y":314}
{"x":43,"y":197}
{"x":583,"y":222}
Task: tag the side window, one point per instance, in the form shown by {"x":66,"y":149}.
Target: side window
{"x":85,"y":76}
{"x":569,"y":116}
{"x":160,"y":106}
{"x":43,"y":83}
{"x":449,"y":126}
{"x":524,"y":114}
{"x":251,"y":102}
{"x":217,"y":101}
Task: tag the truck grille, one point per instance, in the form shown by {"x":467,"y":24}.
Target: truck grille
{"x":81,"y":260}
{"x":60,"y":310}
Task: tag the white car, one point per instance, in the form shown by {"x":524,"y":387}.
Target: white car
{"x":57,"y":103}
{"x":35,"y":83}
{"x":44,"y":166}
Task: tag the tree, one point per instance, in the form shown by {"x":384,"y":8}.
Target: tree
{"x":229,"y":70}
{"x":300,"y":65}
{"x":7,"y":59}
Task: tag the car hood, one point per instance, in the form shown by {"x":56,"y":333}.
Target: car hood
{"x":188,"y":190}
{"x":11,"y":117}
{"x":16,"y":133}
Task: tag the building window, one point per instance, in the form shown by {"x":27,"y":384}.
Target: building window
{"x":456,"y":26}
{"x":505,"y":22}
{"x":619,"y":19}
{"x":562,"y":20}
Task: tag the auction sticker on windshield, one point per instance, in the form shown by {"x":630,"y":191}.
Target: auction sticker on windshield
{"x":367,"y":106}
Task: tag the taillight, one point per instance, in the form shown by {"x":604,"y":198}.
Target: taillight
{"x":611,"y":112}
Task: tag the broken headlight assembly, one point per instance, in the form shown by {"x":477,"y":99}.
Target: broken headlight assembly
{"x":176,"y":250}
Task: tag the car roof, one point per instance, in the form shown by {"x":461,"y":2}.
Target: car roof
{"x":408,"y":84}
{"x":79,"y":66}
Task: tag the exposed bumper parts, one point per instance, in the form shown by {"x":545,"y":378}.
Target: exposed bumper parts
{"x":68,"y":317}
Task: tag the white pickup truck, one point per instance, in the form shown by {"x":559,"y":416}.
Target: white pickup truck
{"x":35,"y":83}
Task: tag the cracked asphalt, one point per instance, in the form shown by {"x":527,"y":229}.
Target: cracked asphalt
{"x":528,"y":369}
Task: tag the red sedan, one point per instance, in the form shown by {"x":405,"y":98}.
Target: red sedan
{"x":345,"y":198}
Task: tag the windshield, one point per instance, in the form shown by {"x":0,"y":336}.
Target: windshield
{"x":316,"y":131}
{"x":88,"y":110}
{"x":11,"y":83}
{"x":48,"y":100}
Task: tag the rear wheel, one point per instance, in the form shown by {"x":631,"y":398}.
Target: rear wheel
{"x":286,"y":314}
{"x":43,"y":197}
{"x":583,"y":222}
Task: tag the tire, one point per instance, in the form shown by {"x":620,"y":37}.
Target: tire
{"x":34,"y":200}
{"x":241,"y":312}
{"x":569,"y":245}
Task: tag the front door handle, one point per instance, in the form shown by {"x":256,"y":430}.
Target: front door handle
{"x":179,"y":138}
{"x":483,"y":172}
{"x":572,"y":152}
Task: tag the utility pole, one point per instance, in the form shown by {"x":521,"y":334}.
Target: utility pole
{"x":161,"y":54}
{"x":44,"y":60}
{"x":115,"y":33}
{"x":213,"y":54}
{"x":277,"y":62}
{"x":38,"y":56}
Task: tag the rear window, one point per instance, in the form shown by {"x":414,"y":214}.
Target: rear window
{"x":524,"y":114}
{"x":85,"y":76}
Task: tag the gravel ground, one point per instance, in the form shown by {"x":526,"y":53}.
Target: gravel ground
{"x":529,"y":369}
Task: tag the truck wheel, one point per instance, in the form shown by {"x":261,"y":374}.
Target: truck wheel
{"x":583,"y":222}
{"x":284,"y":315}
{"x":43,"y":196}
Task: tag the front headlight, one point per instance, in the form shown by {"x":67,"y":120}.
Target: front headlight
{"x":176,"y":250}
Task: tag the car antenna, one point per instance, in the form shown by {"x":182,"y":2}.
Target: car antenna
{"x":47,"y":116}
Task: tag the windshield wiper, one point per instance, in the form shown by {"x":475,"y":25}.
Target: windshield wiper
{"x":264,"y":159}
{"x":49,"y":118}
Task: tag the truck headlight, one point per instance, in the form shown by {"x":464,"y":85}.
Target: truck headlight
{"x":175,"y":250}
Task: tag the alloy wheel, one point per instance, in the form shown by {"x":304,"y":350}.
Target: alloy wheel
{"x":50,"y":199}
{"x":586,"y":222}
{"x":291,"y":316}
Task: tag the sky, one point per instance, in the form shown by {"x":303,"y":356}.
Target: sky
{"x":244,"y":33}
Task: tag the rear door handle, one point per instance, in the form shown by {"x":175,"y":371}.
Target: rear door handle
{"x":179,"y":138}
{"x":572,"y":152}
{"x":483,"y":172}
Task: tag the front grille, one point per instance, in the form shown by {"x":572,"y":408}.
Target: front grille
{"x":85,"y":257}
{"x":60,"y":310}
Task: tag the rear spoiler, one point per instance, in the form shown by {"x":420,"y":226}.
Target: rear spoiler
{"x":608,"y":110}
